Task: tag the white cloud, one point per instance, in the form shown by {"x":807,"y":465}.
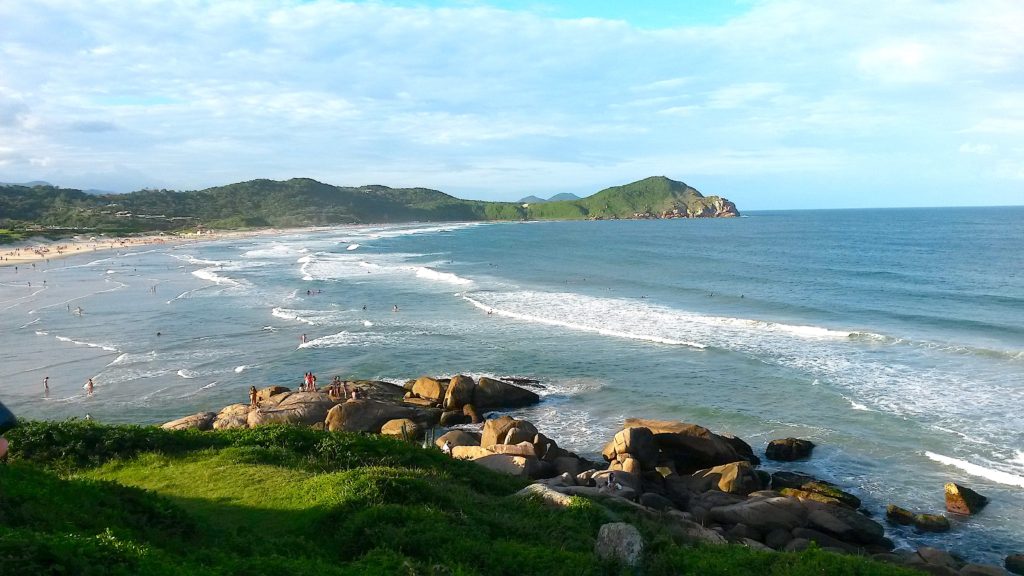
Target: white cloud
{"x":498,"y":102}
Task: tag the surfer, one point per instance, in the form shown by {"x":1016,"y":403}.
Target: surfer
{"x":303,"y":339}
{"x":395,"y":308}
{"x":46,"y":384}
{"x":364,"y":306}
{"x":79,"y":311}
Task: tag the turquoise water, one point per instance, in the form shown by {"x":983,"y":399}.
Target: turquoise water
{"x":892,"y":338}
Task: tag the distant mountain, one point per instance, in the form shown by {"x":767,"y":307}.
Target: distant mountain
{"x":654,"y":197}
{"x":556,"y":198}
{"x":532,"y":200}
{"x":303,"y":202}
{"x":563,"y":197}
{"x":28,"y":184}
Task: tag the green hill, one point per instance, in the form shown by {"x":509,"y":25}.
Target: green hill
{"x":80,"y":498}
{"x":303,"y":202}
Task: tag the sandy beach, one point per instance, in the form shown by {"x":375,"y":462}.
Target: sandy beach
{"x":36,"y":250}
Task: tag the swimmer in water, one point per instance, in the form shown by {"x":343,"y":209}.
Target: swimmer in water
{"x":395,"y":309}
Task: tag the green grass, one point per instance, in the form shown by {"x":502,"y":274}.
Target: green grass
{"x":83,"y":498}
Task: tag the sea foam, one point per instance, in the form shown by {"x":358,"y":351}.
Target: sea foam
{"x":980,"y":471}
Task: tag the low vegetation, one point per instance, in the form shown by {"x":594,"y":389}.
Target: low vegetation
{"x":84,"y":498}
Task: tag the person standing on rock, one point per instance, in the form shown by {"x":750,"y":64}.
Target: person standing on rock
{"x":252,"y":396}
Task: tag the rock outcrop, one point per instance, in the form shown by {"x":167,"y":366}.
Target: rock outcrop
{"x":200,"y":421}
{"x":963,"y":500}
{"x":305,"y":408}
{"x":364,"y":415}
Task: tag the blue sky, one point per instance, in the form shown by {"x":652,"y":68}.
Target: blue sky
{"x":774,"y":105}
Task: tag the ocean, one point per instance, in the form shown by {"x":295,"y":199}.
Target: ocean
{"x":894,"y":339}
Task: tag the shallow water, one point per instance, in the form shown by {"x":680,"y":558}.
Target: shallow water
{"x":892,"y":338}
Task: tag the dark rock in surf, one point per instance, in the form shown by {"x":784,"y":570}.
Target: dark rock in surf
{"x":491,"y":394}
{"x":789,"y":449}
{"x":963,"y":500}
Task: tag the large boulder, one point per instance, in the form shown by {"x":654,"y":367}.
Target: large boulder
{"x":306,"y":408}
{"x":637,"y":442}
{"x":847,"y":525}
{"x":764,"y":514}
{"x":200,"y":421}
{"x":689,"y":447}
{"x":402,"y":428}
{"x":459,"y":393}
{"x":742,"y":448}
{"x":377,"y":390}
{"x":897,"y":515}
{"x":789,"y":449}
{"x":518,"y":466}
{"x":491,"y":394}
{"x":429,"y":389}
{"x":824,"y":492}
{"x":269,"y":392}
{"x":786,"y":479}
{"x":619,"y":542}
{"x":1015,"y":563}
{"x":457,"y":438}
{"x":474,"y":415}
{"x":232,"y":416}
{"x":931,"y":523}
{"x":520,"y":449}
{"x":507,"y":430}
{"x":734,"y":478}
{"x":961,"y":499}
{"x":451,"y":418}
{"x":365,"y":415}
{"x":470,"y":452}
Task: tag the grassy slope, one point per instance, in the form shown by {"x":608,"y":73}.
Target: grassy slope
{"x":82,"y":498}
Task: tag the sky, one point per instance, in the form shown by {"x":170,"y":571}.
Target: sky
{"x":773,"y":105}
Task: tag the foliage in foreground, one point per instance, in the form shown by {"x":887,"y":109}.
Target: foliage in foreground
{"x":83,"y":498}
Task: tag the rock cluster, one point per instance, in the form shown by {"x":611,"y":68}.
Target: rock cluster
{"x":700,"y":486}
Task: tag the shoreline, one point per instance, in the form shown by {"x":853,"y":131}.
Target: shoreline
{"x":35,"y":251}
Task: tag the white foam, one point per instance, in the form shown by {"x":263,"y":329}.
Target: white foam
{"x":582,"y":327}
{"x":198,"y":261}
{"x":289,"y":315}
{"x":367,"y":323}
{"x":106,"y":347}
{"x":41,"y":333}
{"x":208,"y":274}
{"x":240,"y":369}
{"x":275,"y":250}
{"x":345,"y":339}
{"x":352,"y":247}
{"x":111,"y":272}
{"x":859,"y":406}
{"x":30,"y":323}
{"x":210,"y":385}
{"x":980,"y":471}
{"x":187,"y":374}
{"x":431,"y":274}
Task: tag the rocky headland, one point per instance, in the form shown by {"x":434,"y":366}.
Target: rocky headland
{"x":701,"y":486}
